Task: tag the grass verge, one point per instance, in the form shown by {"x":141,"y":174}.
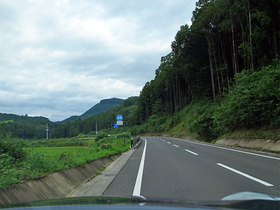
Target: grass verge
{"x":39,"y":160}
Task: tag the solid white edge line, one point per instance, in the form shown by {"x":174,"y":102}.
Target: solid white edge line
{"x":138,"y":182}
{"x":175,"y":145}
{"x":246,"y":175}
{"x":191,"y":152}
{"x":234,"y":150}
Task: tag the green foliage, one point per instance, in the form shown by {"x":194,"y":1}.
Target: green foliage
{"x":101,"y":135}
{"x":104,"y":121}
{"x":201,"y":121}
{"x":24,"y":126}
{"x":13,"y":147}
{"x":121,"y":135}
{"x":40,"y":161}
{"x":206,"y":56}
{"x":7,"y":121}
{"x":39,"y":165}
{"x":103,"y":106}
{"x":253,"y":102}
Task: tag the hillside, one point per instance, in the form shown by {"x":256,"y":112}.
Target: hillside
{"x":103,"y":106}
{"x":222,"y":76}
{"x":23,"y":119}
{"x":104,"y":120}
{"x":24,"y":126}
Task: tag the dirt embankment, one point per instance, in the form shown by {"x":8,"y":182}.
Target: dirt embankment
{"x":255,"y":144}
{"x":56,"y":185}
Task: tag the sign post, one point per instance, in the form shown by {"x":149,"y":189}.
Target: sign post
{"x":120,"y":122}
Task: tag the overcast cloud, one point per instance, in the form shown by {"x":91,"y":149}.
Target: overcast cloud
{"x":59,"y":58}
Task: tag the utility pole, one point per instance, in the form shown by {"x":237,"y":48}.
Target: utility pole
{"x":123,"y":134}
{"x":96,"y":128}
{"x":47,"y":131}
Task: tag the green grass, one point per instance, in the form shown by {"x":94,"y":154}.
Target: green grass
{"x":7,"y":121}
{"x":42,"y":159}
{"x":61,"y":142}
{"x":54,"y":151}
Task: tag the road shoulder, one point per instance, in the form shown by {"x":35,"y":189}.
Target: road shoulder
{"x":99,"y":184}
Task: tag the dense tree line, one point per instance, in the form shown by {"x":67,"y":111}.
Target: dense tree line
{"x":226,"y":37}
{"x":103,"y":121}
{"x":24,"y":127}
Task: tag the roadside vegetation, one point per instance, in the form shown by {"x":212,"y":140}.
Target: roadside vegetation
{"x":22,"y":160}
{"x":251,"y":109}
{"x":221,"y":79}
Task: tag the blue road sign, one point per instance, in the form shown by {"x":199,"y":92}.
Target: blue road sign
{"x":119,"y":117}
{"x":115,"y":125}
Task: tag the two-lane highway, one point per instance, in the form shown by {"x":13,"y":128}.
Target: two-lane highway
{"x":175,"y":169}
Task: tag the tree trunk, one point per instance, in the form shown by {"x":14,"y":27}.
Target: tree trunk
{"x":211,"y":66}
{"x":233,"y":47}
{"x":250,"y":36}
{"x":275,"y":42}
{"x":243,"y":41}
{"x":217,"y":73}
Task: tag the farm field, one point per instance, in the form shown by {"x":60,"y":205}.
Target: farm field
{"x":22,"y":160}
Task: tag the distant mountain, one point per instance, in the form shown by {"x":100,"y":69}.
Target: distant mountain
{"x":103,"y":106}
{"x":24,"y":119}
{"x":24,"y":126}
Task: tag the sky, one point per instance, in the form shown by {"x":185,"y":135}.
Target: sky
{"x":60,"y":58}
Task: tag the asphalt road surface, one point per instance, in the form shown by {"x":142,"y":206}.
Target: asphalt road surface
{"x":175,"y":169}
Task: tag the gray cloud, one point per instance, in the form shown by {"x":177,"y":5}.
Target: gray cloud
{"x":59,"y":58}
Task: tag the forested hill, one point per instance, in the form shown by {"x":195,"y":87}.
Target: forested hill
{"x":225,"y":38}
{"x":103,"y":106}
{"x":227,"y":62}
{"x":23,"y":119}
{"x":35,"y":127}
{"x":23,"y":126}
{"x":104,"y":121}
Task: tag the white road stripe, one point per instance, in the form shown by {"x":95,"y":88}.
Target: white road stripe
{"x":191,"y":152}
{"x":234,"y":150}
{"x":168,"y":142}
{"x":246,"y":175}
{"x":175,"y":145}
{"x":138,"y":183}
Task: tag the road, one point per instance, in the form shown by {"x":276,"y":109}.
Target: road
{"x":175,"y":169}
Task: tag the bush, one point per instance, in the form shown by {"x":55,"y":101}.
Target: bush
{"x":39,"y":164}
{"x":201,"y":121}
{"x":127,"y":135}
{"x":254,"y":102}
{"x":101,"y":136}
{"x":13,"y":147}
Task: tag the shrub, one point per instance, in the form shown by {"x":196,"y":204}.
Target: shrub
{"x":201,"y":121}
{"x":253,"y":102}
{"x":39,"y":164}
{"x":13,"y":147}
{"x":101,"y":136}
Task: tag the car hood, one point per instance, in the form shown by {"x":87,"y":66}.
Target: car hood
{"x":241,"y":200}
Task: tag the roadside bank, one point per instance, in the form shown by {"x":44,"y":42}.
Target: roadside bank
{"x":56,"y":185}
{"x":265,"y":145}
